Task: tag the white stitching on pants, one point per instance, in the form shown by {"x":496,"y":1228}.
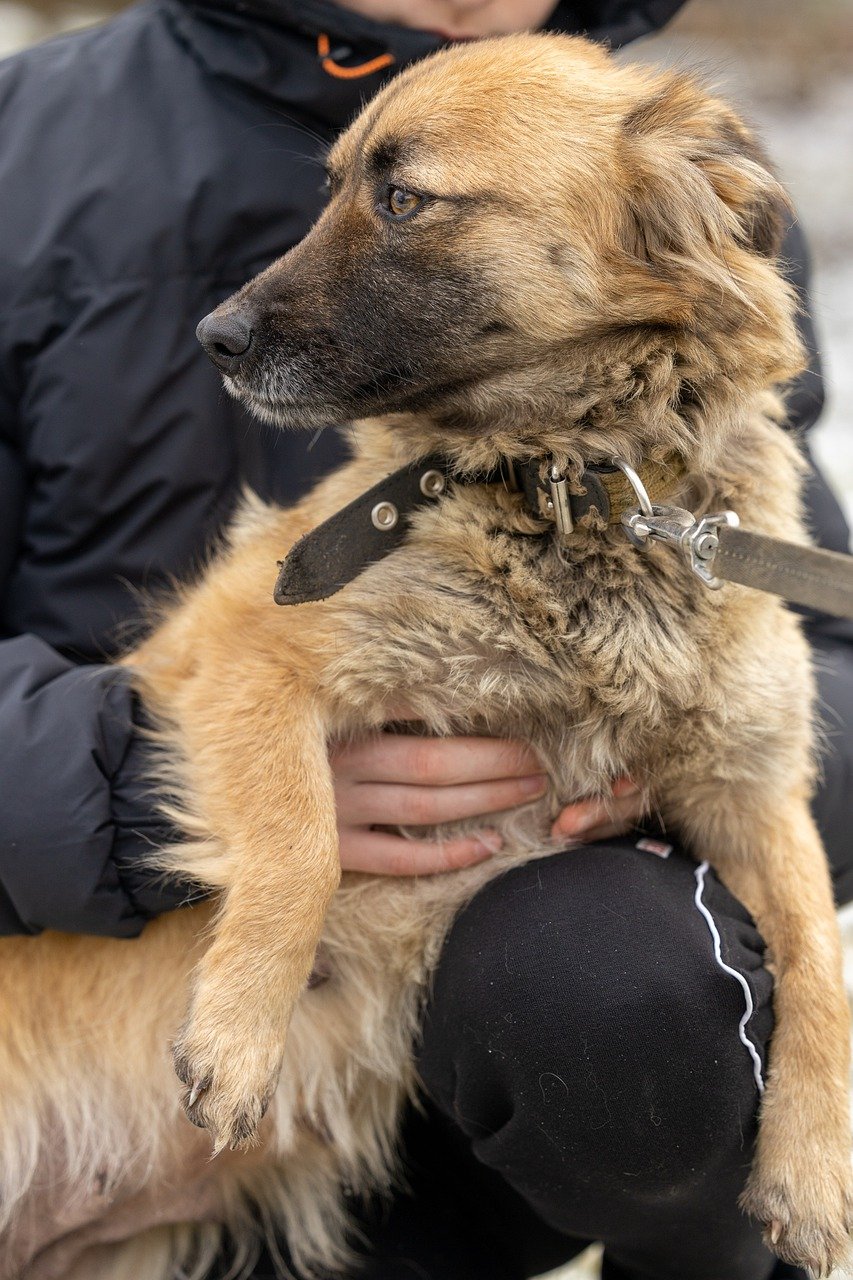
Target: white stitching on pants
{"x":700,"y":873}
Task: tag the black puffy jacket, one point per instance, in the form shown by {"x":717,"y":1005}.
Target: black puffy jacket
{"x":147,"y":168}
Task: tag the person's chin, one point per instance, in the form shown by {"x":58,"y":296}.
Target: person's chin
{"x":451,"y":37}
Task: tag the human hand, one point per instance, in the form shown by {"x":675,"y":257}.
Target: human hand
{"x":396,"y":779}
{"x":602,"y":819}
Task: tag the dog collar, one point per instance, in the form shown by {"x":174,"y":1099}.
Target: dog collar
{"x":377,"y":522}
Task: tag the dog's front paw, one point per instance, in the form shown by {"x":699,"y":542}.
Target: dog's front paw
{"x":229,"y":1081}
{"x":807,"y":1220}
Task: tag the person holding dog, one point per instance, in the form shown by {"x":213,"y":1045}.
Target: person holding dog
{"x":150,"y":167}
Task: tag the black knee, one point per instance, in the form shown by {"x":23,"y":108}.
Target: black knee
{"x":591,"y":1013}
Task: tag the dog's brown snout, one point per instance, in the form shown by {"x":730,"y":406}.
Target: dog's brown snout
{"x":227,"y":338}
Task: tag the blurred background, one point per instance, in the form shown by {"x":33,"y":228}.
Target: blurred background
{"x":788,"y":65}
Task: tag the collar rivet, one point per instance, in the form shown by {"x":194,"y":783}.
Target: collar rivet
{"x":384,"y":516}
{"x":432,"y":484}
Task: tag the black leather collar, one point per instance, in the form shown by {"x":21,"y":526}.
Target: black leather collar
{"x":377,"y":522}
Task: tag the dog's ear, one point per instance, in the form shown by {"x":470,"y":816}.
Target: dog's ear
{"x":700,"y":188}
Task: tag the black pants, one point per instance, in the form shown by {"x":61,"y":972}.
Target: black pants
{"x":591,"y":1055}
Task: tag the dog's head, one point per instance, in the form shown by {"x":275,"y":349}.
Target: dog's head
{"x":522,"y":232}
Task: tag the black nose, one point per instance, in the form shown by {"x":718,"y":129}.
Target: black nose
{"x":227,"y":339}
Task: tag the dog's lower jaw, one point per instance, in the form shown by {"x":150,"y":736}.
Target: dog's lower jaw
{"x":286,"y":413}
{"x":287,"y":417}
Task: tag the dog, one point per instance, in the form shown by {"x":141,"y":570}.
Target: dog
{"x":582,"y":269}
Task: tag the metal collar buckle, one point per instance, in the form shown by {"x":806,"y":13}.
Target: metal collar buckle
{"x":557,"y":504}
{"x":552,"y":502}
{"x":696,"y":540}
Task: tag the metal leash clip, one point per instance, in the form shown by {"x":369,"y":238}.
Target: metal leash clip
{"x":697,"y":540}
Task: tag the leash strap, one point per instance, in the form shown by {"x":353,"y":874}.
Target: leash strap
{"x":717,"y":550}
{"x":818,"y":579}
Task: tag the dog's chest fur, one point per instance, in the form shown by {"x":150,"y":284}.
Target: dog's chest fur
{"x":588,"y":648}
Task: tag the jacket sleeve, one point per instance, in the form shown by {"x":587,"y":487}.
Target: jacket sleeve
{"x":77,"y":814}
{"x":824,"y":514}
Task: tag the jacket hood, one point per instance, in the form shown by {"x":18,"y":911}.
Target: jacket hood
{"x":616,"y":22}
{"x":326,"y":60}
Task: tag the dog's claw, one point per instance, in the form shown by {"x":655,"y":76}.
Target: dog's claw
{"x":218,"y":1094}
{"x":806,"y":1230}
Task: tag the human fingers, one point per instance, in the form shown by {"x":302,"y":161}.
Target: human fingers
{"x":601,"y":818}
{"x":395,"y":805}
{"x":407,"y":759}
{"x":380,"y":853}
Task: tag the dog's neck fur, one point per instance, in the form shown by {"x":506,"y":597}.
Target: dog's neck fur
{"x":660,"y":396}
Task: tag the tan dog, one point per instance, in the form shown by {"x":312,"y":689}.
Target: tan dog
{"x":529,"y":252}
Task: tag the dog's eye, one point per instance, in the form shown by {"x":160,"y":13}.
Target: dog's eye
{"x":401,"y":203}
{"x":333,"y":183}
